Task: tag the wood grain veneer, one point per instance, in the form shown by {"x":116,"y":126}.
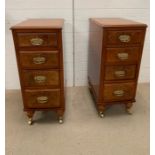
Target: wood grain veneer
{"x":39,"y":53}
{"x":115,"y":51}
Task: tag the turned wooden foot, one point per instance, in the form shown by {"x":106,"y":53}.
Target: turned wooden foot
{"x":101,"y":110}
{"x":60,"y":114}
{"x":128,"y":108}
{"x":30,"y":117}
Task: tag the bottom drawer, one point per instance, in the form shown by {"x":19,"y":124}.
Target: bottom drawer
{"x":47,"y":98}
{"x":119,"y":92}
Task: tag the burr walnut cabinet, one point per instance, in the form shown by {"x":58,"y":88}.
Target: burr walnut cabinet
{"x":39,"y":53}
{"x":115,"y":51}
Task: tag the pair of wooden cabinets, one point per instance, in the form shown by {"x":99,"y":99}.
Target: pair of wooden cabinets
{"x":114,"y":60}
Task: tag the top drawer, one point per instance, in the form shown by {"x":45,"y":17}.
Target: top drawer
{"x":37,"y":39}
{"x":124,"y":37}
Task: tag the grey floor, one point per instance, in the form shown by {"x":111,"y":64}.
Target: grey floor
{"x":84,"y":132}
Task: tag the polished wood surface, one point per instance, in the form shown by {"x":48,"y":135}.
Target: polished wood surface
{"x":39,"y":53}
{"x":115,"y":51}
{"x":94,"y":58}
{"x":46,"y":98}
{"x":40,"y":24}
{"x":111,"y":92}
{"x":136,"y":37}
{"x":48,"y":39}
{"x":113,"y":55}
{"x":39,"y":59}
{"x":116,"y":22}
{"x":37,"y":78}
{"x":120,"y":72}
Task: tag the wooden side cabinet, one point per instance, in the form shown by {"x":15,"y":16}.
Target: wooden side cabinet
{"x":39,"y":53}
{"x":115,"y":51}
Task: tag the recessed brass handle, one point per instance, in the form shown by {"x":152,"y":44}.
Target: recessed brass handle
{"x":42,"y":99}
{"x":36,"y":41}
{"x":39,"y":79}
{"x":124,"y":38}
{"x":119,"y":93}
{"x":120,"y":73}
{"x":123,"y":56}
{"x":39,"y":60}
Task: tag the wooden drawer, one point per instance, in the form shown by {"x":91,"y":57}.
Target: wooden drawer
{"x":46,"y":98}
{"x":39,"y":59}
{"x":118,"y":92}
{"x":120,"y":72}
{"x":37,"y":39}
{"x":35,"y":78}
{"x":122,"y":55}
{"x":124,"y":37}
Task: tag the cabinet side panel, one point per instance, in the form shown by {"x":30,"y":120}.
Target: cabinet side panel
{"x":94,"y":58}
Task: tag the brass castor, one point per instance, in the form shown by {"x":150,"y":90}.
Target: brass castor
{"x":30,"y":121}
{"x":61,"y":120}
{"x":129,"y":111}
{"x":101,"y":114}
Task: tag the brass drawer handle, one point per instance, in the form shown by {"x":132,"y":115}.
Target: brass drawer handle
{"x":119,"y":93}
{"x":39,"y":79}
{"x":42,"y":99}
{"x":124,"y":38}
{"x":120,"y":73}
{"x":36,"y":41}
{"x":39,"y":60}
{"x":123,"y":56}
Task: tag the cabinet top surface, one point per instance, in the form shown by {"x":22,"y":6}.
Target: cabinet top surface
{"x":40,"y":24}
{"x":116,"y":22}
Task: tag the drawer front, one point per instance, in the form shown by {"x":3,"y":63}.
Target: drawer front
{"x":37,"y":39}
{"x":124,"y":37}
{"x":119,"y":92}
{"x":45,"y":59}
{"x":122,"y":55}
{"x":120,"y":72}
{"x":49,"y":98}
{"x":35,"y":78}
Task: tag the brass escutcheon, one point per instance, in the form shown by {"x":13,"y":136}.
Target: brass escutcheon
{"x":120,"y":73}
{"x":42,"y":99}
{"x":39,"y":79}
{"x":123,"y":56}
{"x":124,"y":38}
{"x":118,"y":93}
{"x":36,"y":41}
{"x":39,"y":60}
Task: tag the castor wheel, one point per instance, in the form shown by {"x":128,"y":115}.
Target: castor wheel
{"x":30,"y":117}
{"x":129,"y":111}
{"x":60,"y":120}
{"x":101,"y":114}
{"x":30,"y":121}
